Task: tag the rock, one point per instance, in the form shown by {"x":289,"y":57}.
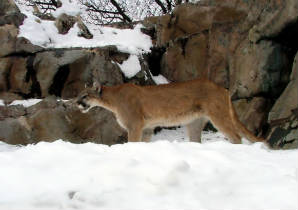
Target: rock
{"x":50,"y":125}
{"x":50,"y":120}
{"x":288,"y":101}
{"x":48,"y":64}
{"x":274,"y":19}
{"x":15,"y":131}
{"x":98,"y":125}
{"x":65,"y":22}
{"x":8,"y":97}
{"x":200,"y":47}
{"x":10,"y":13}
{"x":258,"y":69}
{"x":186,"y":59}
{"x":84,"y":31}
{"x":8,"y":34}
{"x":19,"y":81}
{"x":184,"y":21}
{"x":252,"y":113}
{"x":93,"y":66}
{"x":65,"y":73}
{"x":11,"y":112}
{"x":24,"y":46}
{"x":283,"y":117}
{"x":5,"y":65}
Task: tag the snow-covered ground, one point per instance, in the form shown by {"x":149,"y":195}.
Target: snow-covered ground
{"x":167,"y":173}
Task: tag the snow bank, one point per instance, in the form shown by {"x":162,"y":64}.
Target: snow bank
{"x":156,"y":175}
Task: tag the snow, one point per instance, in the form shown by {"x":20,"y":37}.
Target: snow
{"x":163,"y":174}
{"x":25,"y":103}
{"x":131,"y":66}
{"x":69,"y":7}
{"x":160,"y":79}
{"x":168,"y":173}
{"x":45,"y":34}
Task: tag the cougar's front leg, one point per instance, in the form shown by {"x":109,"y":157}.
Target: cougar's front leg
{"x":135,"y":133}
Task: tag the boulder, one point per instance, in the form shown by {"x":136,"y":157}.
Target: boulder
{"x":65,"y":22}
{"x":84,"y":31}
{"x":19,"y":82}
{"x":8,"y":97}
{"x":10,"y":13}
{"x":186,"y":58}
{"x":5,"y":65}
{"x":98,"y":125}
{"x":15,"y":131}
{"x":93,"y":66}
{"x":50,"y":120}
{"x":258,"y":69}
{"x":65,"y":73}
{"x":11,"y":112}
{"x":283,"y":117}
{"x":47,"y":64}
{"x":252,"y":113}
{"x":8,"y":37}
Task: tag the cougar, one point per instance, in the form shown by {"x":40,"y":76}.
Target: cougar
{"x":139,"y":109}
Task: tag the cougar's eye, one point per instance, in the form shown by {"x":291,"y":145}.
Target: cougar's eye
{"x":84,"y":96}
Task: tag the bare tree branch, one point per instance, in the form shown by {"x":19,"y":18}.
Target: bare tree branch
{"x":162,"y":6}
{"x":121,"y":11}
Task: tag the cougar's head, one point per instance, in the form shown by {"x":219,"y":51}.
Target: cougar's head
{"x":89,"y":98}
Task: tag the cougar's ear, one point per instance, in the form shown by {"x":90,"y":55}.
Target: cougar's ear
{"x":96,"y":86}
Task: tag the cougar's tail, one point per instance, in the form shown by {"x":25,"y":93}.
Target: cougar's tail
{"x":243,"y":131}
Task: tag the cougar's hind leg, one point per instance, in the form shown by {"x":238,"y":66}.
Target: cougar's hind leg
{"x":224,"y":123}
{"x":147,"y":134}
{"x":195,"y":128}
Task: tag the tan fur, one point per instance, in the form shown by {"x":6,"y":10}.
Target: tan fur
{"x":192,"y":103}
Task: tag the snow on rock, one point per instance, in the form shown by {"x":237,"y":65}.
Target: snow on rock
{"x":25,"y":103}
{"x":45,"y":34}
{"x":131,"y":66}
{"x":160,"y":79}
{"x":156,"y":175}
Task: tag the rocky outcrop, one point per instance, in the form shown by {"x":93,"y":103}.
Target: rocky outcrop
{"x":53,"y":119}
{"x":28,"y":71}
{"x":10,"y":14}
{"x":283,"y":116}
{"x":10,"y":20}
{"x":60,"y":72}
{"x":247,"y":47}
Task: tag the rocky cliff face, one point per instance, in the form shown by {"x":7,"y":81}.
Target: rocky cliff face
{"x":246,"y":46}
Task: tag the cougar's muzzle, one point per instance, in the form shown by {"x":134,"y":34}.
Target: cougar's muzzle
{"x":82,"y":104}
